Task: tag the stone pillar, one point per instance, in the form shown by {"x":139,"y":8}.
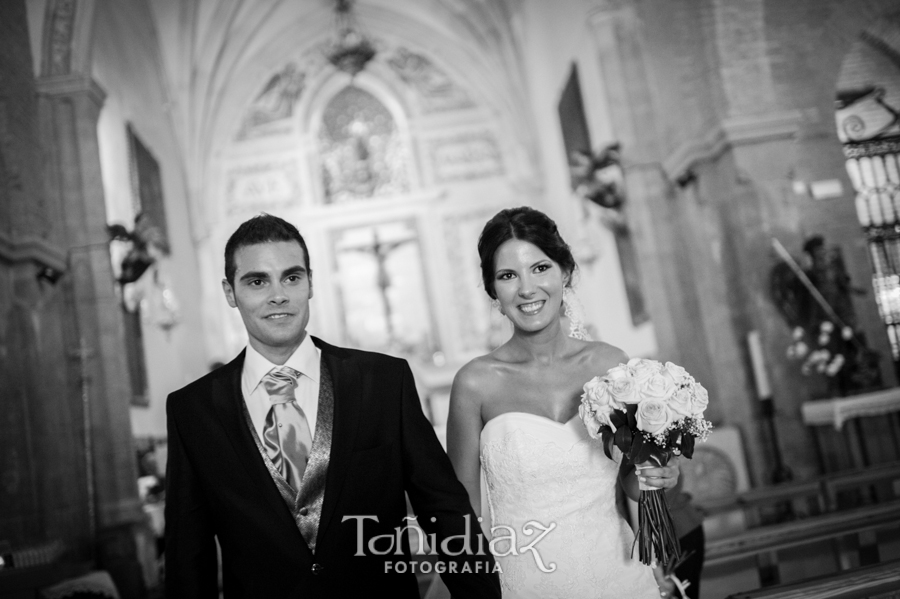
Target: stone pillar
{"x":697,"y":315}
{"x":630,"y":104}
{"x":69,"y":109}
{"x":43,"y":497}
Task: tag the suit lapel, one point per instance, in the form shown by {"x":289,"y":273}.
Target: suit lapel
{"x":347,"y":386}
{"x":228,"y":401}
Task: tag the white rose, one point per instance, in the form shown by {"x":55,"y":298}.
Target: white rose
{"x":642,"y":369}
{"x":677,"y":372}
{"x":653,"y":416}
{"x":681,"y":402}
{"x":617,"y":372}
{"x":658,"y":386}
{"x":594,"y":419}
{"x":700,"y":401}
{"x":623,"y":391}
{"x":597,"y":391}
{"x":598,"y":394}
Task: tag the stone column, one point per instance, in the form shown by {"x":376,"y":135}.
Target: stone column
{"x":43,"y":496}
{"x":696,"y":314}
{"x":69,"y":108}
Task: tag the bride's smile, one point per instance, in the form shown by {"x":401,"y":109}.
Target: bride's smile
{"x":528,"y":285}
{"x":532,"y":307}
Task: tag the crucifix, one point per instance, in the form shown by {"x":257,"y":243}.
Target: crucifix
{"x":381,"y":250}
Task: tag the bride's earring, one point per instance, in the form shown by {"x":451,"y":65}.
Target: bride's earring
{"x":495,"y":304}
{"x":572,"y":311}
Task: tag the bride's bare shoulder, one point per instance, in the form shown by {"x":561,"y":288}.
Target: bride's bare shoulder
{"x":477,"y":377}
{"x":604,"y":356}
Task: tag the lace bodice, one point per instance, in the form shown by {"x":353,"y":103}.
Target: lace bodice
{"x":550,"y":486}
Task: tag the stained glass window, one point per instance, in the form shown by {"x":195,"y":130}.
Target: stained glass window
{"x":360,"y":148}
{"x":382,"y":289}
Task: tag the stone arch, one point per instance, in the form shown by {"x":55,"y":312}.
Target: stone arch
{"x":315,"y":123}
{"x":493,"y":87}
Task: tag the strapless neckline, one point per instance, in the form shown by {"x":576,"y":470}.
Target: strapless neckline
{"x":537,"y":417}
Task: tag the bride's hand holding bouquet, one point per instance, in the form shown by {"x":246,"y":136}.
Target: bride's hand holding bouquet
{"x":651,"y":412}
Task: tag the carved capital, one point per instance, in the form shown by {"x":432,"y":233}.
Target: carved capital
{"x":75,"y":84}
{"x":734,"y":132}
{"x":34,"y":249}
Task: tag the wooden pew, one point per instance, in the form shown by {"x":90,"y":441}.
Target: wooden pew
{"x":879,"y":580}
{"x":799,"y":532}
{"x":805,"y":498}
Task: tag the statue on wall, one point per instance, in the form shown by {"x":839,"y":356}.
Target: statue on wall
{"x":146,"y":243}
{"x":145,"y":287}
{"x":816,"y":301}
{"x":598,"y":177}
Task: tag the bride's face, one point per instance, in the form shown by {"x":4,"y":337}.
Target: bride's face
{"x":528,"y":284}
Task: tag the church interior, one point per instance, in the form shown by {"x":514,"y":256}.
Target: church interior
{"x":726,"y":173}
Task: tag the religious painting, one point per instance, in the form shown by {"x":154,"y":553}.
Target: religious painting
{"x":382,"y":289}
{"x":435,"y":90}
{"x":572,"y":118}
{"x":149,"y":240}
{"x":147,"y":192}
{"x":270,"y":112}
{"x":360,"y":148}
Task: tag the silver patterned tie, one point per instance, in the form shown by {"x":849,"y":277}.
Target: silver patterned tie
{"x":286,"y":435}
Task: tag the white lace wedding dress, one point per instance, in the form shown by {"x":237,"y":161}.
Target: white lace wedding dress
{"x":539,"y":471}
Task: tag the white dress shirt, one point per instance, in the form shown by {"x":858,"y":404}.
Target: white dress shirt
{"x":305,"y":359}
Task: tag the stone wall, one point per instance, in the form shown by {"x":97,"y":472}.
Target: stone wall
{"x":736,"y":119}
{"x":43,"y":487}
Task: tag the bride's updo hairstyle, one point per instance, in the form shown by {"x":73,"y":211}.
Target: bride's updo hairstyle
{"x":525,"y":224}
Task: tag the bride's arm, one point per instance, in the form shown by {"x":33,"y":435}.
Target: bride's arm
{"x":464,"y":424}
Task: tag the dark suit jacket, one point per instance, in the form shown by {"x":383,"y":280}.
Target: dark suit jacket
{"x":217,"y":485}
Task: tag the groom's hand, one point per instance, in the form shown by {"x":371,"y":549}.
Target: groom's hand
{"x":661,"y":477}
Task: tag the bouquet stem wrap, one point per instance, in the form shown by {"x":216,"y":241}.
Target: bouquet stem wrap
{"x":656,"y":538}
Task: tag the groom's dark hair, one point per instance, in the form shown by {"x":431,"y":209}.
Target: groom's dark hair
{"x":263,"y":228}
{"x":526,"y":224}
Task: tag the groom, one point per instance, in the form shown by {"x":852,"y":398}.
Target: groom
{"x":298,"y":456}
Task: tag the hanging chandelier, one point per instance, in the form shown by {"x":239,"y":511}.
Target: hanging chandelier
{"x":351,"y":50}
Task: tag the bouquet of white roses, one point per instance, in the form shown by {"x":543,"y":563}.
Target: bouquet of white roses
{"x":650,"y":411}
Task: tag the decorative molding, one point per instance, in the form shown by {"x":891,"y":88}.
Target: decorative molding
{"x":694,"y":151}
{"x":60,"y":30}
{"x":71,"y":85}
{"x":261,"y":185}
{"x":733,"y":132}
{"x":464,"y":157}
{"x":32,"y":249}
{"x":762,"y":128}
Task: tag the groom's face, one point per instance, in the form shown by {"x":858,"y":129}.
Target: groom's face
{"x":271,"y":290}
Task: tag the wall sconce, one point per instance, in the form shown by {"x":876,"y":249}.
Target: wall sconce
{"x":49,"y":274}
{"x":686,"y":178}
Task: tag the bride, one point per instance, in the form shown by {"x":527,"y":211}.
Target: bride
{"x":546,"y":488}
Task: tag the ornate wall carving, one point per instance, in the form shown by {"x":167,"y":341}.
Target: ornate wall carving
{"x":60,"y":29}
{"x":436,"y":91}
{"x":271,"y":110}
{"x":466,"y":156}
{"x":261,"y":185}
